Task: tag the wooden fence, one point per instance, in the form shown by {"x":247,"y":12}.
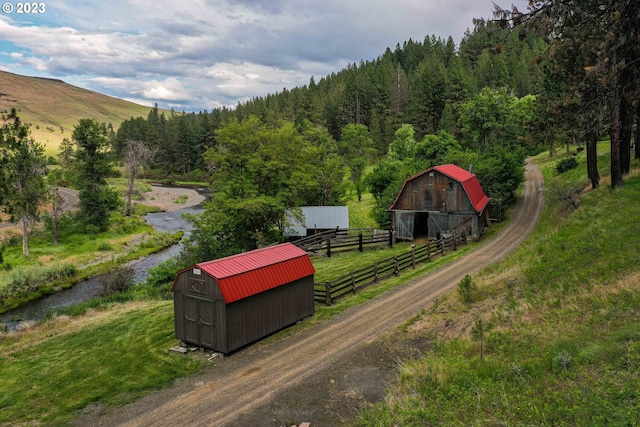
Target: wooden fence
{"x":350,"y":283}
{"x":344,"y":239}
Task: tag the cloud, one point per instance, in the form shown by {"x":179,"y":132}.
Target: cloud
{"x":217,"y":52}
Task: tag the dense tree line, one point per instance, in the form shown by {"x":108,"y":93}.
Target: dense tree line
{"x":422,"y":83}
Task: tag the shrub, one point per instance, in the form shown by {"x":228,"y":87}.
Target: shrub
{"x":104,"y":246}
{"x":118,"y":280}
{"x":566,"y":164}
{"x":567,"y":196}
{"x":465,"y":288}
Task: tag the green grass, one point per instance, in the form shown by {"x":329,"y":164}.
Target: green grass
{"x":562,"y":340}
{"x":112,"y":359}
{"x":361,"y":212}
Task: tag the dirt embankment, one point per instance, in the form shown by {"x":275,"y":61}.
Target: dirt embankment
{"x":324,"y":374}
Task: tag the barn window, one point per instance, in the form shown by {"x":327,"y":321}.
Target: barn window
{"x":450,"y":185}
{"x":415,"y":186}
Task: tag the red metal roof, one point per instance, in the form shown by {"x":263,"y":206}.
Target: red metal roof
{"x":469,"y":182}
{"x":249,"y":273}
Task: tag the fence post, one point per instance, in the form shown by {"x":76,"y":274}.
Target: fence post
{"x":328,"y":247}
{"x":455,"y":246}
{"x":442,"y":243}
{"x":413,"y":256}
{"x":390,"y":238}
{"x":375,"y":273}
{"x":396,"y":268}
{"x":353,"y":283}
{"x":327,"y":287}
{"x":428,"y":251}
{"x":360,"y":242}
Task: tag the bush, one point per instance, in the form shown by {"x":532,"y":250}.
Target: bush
{"x":465,"y":288}
{"x":118,"y":280}
{"x":104,"y":246}
{"x":566,"y":164}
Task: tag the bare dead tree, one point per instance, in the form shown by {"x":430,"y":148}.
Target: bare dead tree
{"x":137,"y":154}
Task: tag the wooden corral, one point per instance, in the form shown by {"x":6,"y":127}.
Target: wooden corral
{"x":228,"y":303}
{"x":437,"y":200}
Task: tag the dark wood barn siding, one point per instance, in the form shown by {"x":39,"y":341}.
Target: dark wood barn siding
{"x":252,"y":318}
{"x":434,"y":191}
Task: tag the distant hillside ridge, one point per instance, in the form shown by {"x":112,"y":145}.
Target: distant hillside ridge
{"x":54,"y":107}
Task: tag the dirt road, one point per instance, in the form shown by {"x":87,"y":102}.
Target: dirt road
{"x":320,"y":374}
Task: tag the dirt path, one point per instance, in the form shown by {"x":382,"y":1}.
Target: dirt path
{"x":324,"y":374}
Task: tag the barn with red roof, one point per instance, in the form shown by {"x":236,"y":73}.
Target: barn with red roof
{"x":439,"y":200}
{"x":228,"y":303}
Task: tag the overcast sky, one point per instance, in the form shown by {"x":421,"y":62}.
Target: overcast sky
{"x":193,"y":55}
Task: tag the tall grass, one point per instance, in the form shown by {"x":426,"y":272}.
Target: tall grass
{"x":20,"y":284}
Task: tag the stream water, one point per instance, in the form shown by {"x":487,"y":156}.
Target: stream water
{"x":171,"y":222}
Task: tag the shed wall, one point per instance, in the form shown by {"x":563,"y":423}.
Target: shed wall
{"x":253,"y":318}
{"x":203,"y":318}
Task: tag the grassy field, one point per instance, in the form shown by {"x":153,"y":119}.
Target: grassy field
{"x":109,"y":357}
{"x":360,"y":211}
{"x":552,"y":336}
{"x":53,"y":107}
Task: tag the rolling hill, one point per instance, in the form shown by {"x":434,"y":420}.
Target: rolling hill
{"x":53,"y":107}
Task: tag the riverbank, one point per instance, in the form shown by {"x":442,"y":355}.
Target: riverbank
{"x":139,"y":242}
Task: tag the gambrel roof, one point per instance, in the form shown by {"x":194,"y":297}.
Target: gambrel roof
{"x":250,"y":273}
{"x":469,"y":182}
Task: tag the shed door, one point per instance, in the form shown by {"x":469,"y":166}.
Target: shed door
{"x":199,"y":324}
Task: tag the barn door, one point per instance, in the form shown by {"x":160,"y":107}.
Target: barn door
{"x":404,"y":225}
{"x":438,"y":224}
{"x":199,"y":321}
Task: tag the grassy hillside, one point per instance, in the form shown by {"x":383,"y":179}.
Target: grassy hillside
{"x":54,"y":107}
{"x":552,"y":334}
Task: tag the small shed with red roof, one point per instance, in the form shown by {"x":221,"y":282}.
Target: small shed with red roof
{"x":438,"y":200}
{"x":228,"y":303}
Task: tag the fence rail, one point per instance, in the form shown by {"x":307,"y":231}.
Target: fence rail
{"x":350,"y":283}
{"x":344,"y":239}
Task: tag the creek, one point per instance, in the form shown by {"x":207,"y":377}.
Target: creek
{"x":83,"y":291}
